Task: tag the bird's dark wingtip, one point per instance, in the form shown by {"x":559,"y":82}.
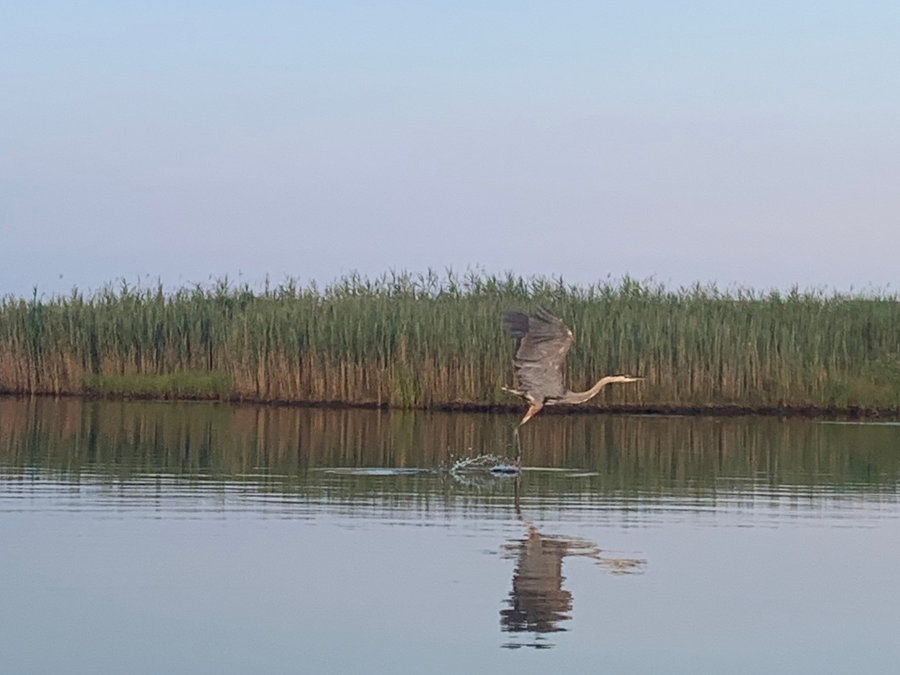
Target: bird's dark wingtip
{"x":515,"y":323}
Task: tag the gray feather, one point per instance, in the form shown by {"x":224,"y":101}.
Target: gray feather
{"x":542,"y":342}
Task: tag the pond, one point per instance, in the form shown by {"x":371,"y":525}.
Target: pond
{"x":214,"y":538}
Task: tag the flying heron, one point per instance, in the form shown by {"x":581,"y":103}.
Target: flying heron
{"x":542,"y":342}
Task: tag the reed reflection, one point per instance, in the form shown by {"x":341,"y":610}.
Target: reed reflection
{"x":633,"y":460}
{"x":538,"y":604}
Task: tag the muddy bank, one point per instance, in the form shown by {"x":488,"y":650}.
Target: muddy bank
{"x":803,"y":411}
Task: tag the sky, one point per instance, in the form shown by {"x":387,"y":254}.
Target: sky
{"x":753,"y":143}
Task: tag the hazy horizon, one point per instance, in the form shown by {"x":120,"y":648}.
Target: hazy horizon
{"x":753,"y":144}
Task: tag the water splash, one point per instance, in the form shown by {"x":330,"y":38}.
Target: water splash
{"x":481,"y":471}
{"x":479,"y":463}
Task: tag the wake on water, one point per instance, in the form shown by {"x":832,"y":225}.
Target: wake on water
{"x":463,"y":468}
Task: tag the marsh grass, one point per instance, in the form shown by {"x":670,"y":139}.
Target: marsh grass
{"x":423,"y":341}
{"x":182,"y":385}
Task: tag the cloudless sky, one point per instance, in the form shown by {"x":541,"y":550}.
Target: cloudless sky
{"x":749,"y":142}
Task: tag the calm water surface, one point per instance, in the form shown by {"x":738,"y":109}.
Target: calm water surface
{"x":194,"y":538}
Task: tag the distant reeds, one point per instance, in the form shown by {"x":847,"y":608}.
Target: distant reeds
{"x":424,"y":341}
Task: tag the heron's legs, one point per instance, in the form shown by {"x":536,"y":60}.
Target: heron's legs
{"x":518,"y":447}
{"x":533,"y":410}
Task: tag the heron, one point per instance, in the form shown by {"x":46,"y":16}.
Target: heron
{"x":542,"y":342}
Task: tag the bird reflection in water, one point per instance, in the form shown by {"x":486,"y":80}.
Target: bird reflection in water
{"x":538,"y":603}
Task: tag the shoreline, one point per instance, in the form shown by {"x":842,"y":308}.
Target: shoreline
{"x":675,"y":410}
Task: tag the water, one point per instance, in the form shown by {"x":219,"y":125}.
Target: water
{"x":194,"y":538}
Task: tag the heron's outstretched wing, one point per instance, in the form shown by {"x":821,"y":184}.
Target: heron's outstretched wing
{"x":542,"y":342}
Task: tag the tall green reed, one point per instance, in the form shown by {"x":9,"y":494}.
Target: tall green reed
{"x":424,"y":340}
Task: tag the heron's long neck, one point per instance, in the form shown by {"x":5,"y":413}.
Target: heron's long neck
{"x":582,"y":396}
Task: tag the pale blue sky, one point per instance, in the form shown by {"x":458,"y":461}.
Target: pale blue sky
{"x":750,"y":142}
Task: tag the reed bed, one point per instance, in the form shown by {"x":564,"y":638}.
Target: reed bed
{"x":426,"y":341}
